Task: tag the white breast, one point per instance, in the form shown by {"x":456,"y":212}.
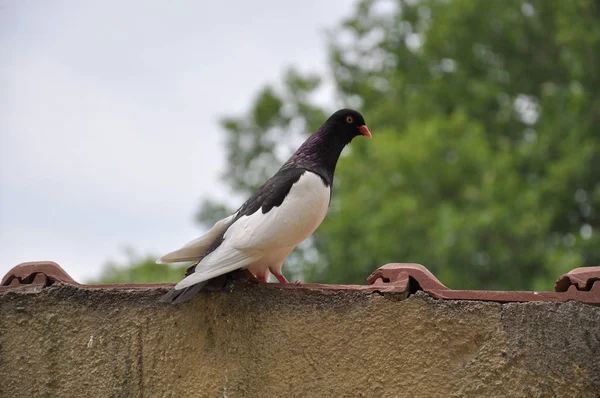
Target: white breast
{"x":301,"y":212}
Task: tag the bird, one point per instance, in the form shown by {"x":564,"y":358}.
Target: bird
{"x":282,"y":213}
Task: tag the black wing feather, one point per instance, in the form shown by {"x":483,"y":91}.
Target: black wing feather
{"x":272,"y":193}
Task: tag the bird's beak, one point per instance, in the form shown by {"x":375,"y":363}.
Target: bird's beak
{"x":364,"y":130}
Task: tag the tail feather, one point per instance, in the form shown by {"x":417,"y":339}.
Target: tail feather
{"x":196,"y":249}
{"x":176,"y":296}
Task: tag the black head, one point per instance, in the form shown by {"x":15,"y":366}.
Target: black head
{"x":349,"y":122}
{"x":320,"y":152}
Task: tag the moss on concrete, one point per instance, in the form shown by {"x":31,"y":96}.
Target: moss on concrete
{"x":258,"y":341}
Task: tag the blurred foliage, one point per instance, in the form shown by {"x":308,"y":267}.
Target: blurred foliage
{"x":485,"y":158}
{"x":137,"y":269}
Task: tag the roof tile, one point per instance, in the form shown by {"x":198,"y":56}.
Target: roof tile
{"x":580,"y":284}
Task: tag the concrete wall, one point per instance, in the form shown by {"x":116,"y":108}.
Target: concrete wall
{"x":257,"y":341}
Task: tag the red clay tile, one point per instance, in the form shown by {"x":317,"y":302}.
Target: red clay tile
{"x":26,"y":274}
{"x":583,"y":278}
{"x":394,"y":273}
{"x":579,"y":284}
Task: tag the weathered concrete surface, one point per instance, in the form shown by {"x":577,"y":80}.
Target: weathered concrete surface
{"x":256,"y":341}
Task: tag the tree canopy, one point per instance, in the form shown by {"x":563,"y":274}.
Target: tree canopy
{"x":136,"y":269}
{"x":485,"y":160}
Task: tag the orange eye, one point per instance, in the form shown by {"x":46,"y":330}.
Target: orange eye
{"x":349,"y":119}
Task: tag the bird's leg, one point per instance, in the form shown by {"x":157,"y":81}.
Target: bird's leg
{"x":280,"y":277}
{"x":260,"y":275}
{"x":245,"y":273}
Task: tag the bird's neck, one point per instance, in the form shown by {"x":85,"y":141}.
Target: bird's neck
{"x":320,"y":153}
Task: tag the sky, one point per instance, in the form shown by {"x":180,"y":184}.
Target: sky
{"x":109,"y":110}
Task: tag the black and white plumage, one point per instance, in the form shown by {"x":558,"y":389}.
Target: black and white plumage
{"x":286,"y":210}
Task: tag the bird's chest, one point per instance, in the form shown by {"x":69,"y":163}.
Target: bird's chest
{"x":288,"y":224}
{"x":304,"y":208}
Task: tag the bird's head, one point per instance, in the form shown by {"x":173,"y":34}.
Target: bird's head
{"x":322,"y":149}
{"x":349,"y":123}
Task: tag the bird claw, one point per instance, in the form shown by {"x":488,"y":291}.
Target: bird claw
{"x":298,"y":282}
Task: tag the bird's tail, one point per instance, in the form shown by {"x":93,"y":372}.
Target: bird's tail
{"x":176,"y":296}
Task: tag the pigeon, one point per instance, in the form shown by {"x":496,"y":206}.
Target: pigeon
{"x":284,"y":211}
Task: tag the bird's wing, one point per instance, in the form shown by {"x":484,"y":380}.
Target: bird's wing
{"x":266,"y":224}
{"x":219,"y":262}
{"x":269,"y":195}
{"x":196,"y":249}
{"x":280,"y":223}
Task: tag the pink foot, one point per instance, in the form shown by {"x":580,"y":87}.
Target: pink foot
{"x":262,"y":278}
{"x":280,"y":277}
{"x":298,"y":282}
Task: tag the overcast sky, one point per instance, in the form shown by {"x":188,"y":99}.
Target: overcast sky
{"x":109,"y":111}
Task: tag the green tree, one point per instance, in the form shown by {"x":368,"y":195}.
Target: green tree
{"x":138,"y":269}
{"x":485,"y":159}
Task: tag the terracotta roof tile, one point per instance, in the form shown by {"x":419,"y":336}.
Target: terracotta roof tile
{"x":580,"y":284}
